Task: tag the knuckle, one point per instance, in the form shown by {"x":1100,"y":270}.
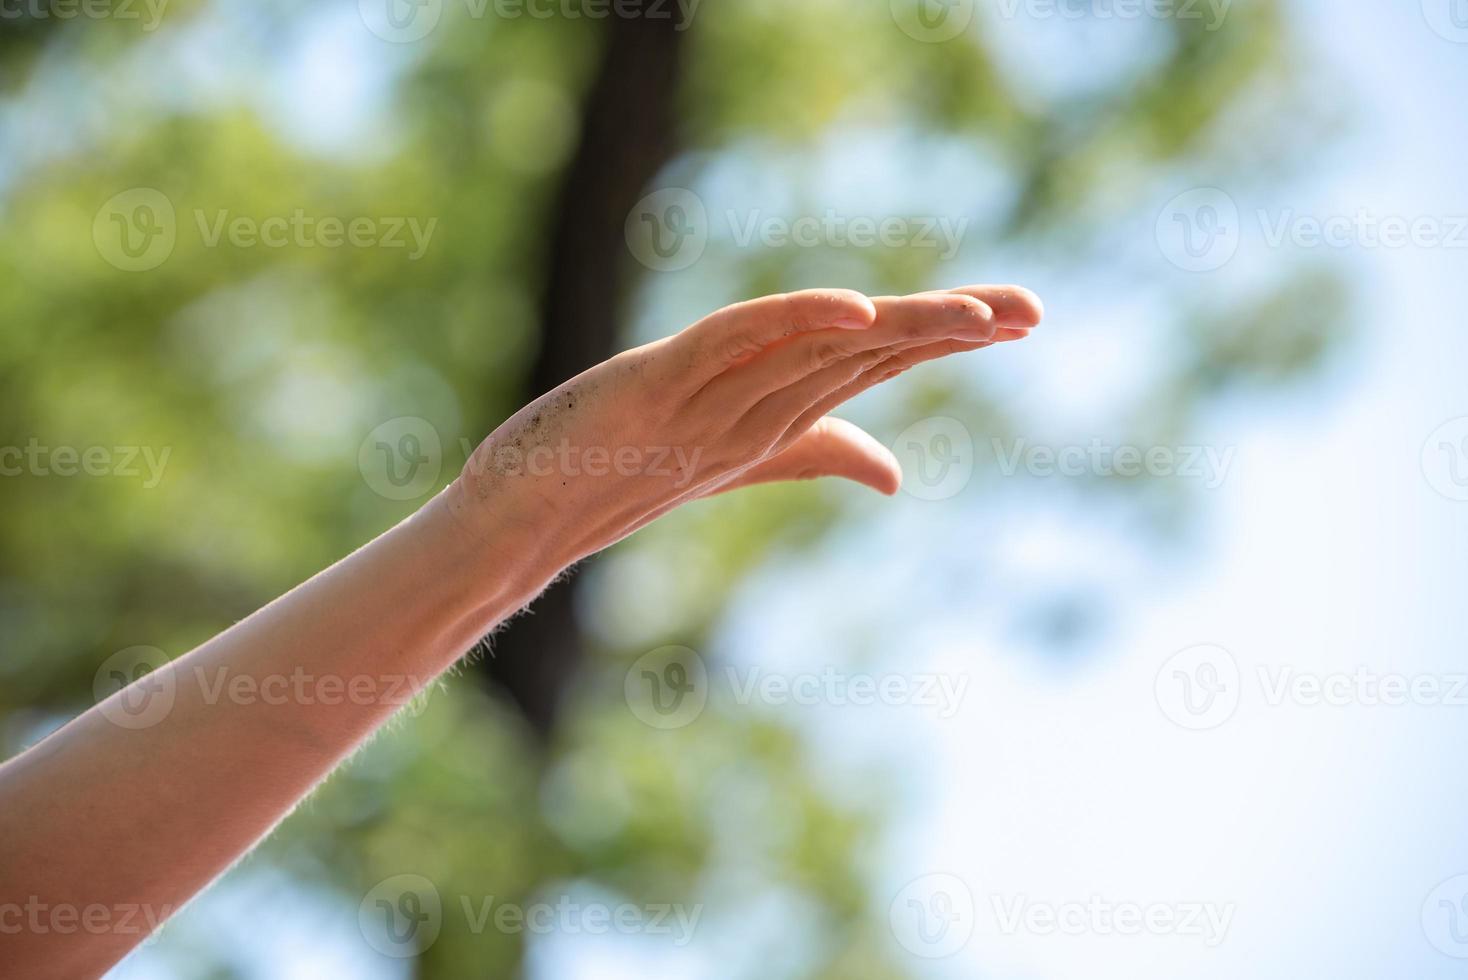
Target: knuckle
{"x":913,"y":330}
{"x":977,"y":312}
{"x":882,"y":365}
{"x":766,"y":432}
{"x":885,"y":370}
{"x":959,"y":306}
{"x":748,"y":451}
{"x":738,"y":346}
{"x":824,"y":353}
{"x":797,"y":313}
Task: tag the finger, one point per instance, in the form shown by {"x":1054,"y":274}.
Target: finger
{"x":1017,"y":310}
{"x":882,"y":371}
{"x":907,"y":318}
{"x":731,"y":335}
{"x":823,"y":360}
{"x":1015,"y":307}
{"x":831,"y":447}
{"x":936,"y":317}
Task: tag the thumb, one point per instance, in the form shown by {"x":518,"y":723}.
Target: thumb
{"x":831,"y":447}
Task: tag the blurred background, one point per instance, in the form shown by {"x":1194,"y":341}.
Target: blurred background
{"x":1154,"y":669}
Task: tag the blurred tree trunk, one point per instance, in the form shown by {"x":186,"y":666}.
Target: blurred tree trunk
{"x":627,"y":135}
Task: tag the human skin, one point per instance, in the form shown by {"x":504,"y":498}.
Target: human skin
{"x":108,"y":814}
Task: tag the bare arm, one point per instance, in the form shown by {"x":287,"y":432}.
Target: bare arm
{"x":121,"y":807}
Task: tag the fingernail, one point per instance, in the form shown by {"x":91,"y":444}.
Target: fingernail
{"x":851,"y":323}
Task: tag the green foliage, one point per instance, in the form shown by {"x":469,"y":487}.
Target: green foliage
{"x":260,"y":371}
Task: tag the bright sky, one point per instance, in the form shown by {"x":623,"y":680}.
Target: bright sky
{"x":1316,"y":832}
{"x":1326,"y":827}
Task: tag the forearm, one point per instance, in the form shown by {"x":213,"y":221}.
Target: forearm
{"x":102,"y":813}
{"x":146,"y":809}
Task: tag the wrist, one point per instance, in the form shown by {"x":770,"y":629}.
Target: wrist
{"x":503,"y":551}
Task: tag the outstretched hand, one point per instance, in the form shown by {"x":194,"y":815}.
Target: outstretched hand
{"x":740,"y":397}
